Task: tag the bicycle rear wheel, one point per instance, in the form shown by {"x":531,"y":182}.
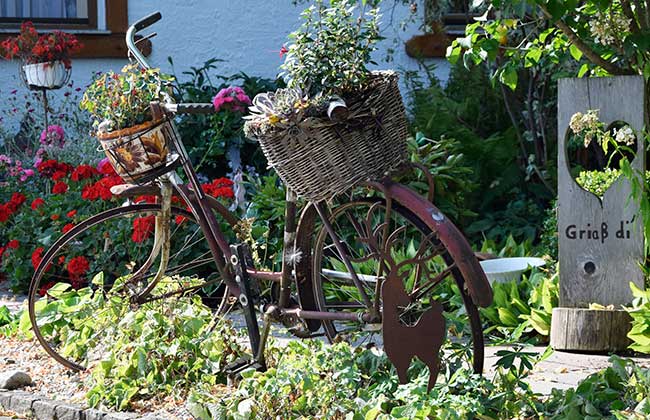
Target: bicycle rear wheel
{"x":371,"y":235}
{"x":85,"y":281}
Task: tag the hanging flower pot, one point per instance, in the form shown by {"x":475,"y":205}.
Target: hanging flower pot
{"x":51,"y":75}
{"x":46,"y":58}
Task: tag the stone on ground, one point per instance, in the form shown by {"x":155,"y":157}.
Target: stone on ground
{"x":14,"y":379}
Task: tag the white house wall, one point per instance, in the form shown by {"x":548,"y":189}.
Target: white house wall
{"x":246,"y":34}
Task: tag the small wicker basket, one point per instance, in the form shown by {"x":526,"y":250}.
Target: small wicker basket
{"x":139,"y":151}
{"x":320,"y":158}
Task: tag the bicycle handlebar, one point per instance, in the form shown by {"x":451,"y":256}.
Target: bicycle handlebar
{"x":147,"y":21}
{"x":182,"y":108}
{"x":190,"y":108}
{"x":135,"y":28}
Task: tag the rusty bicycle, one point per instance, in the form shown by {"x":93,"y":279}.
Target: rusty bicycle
{"x":369,"y":261}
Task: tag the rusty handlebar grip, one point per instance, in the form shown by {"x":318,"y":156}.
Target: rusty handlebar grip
{"x":195,"y":108}
{"x":147,"y":21}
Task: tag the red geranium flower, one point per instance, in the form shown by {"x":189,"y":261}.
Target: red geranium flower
{"x":54,"y":217}
{"x":37,"y":203}
{"x":37,"y":256}
{"x":17,"y":199}
{"x":67,"y":227}
{"x":82,"y":172}
{"x":5,"y":212}
{"x":2,"y":251}
{"x":60,"y":188}
{"x":180,"y":219}
{"x":220,"y":187}
{"x":62,"y":260}
{"x":142,"y":228}
{"x":71,"y":213}
{"x":58,"y":175}
{"x":105,"y":167}
{"x":47,"y":286}
{"x":13,"y":244}
{"x":78,"y":266}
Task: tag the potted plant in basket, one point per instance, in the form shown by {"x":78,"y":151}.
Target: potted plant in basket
{"x":46,"y":58}
{"x":119,"y":104}
{"x":337,"y":123}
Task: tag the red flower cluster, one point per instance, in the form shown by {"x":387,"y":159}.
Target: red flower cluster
{"x":67,"y":228}
{"x":7,"y":209}
{"x":13,"y":244}
{"x":60,"y":188}
{"x":50,"y":168}
{"x":33,"y":48}
{"x":220,"y":187}
{"x":101,"y":189}
{"x":82,"y":172}
{"x":143,"y":227}
{"x":37,"y":203}
{"x":77,"y":267}
{"x":37,"y":256}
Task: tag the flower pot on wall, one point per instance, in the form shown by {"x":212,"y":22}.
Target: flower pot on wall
{"x":428,"y":45}
{"x":50,"y":75}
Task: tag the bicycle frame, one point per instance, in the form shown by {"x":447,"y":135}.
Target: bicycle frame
{"x":199,"y":205}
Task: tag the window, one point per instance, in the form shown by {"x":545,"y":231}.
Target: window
{"x":99,"y":24}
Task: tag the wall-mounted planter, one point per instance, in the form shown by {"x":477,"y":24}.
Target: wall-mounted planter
{"x":428,"y":45}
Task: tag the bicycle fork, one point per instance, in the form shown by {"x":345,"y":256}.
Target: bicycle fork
{"x":162,"y":243}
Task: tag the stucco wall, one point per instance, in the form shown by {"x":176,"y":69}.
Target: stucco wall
{"x":247,"y":34}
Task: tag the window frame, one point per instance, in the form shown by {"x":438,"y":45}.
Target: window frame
{"x":98,"y":43}
{"x":86,"y":24}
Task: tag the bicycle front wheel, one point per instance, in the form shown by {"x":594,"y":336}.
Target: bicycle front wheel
{"x":93,"y":275}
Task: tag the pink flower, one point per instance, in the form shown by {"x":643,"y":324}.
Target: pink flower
{"x":233,"y":98}
{"x":283,"y":51}
{"x":53,"y":136}
{"x":26,"y":174}
{"x":104,"y":166}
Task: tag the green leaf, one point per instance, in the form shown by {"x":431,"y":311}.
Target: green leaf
{"x":575,"y":53}
{"x":509,"y":77}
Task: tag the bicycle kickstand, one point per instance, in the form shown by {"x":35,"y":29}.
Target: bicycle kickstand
{"x":249,"y":292}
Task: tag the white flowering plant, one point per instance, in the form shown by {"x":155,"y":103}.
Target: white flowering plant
{"x":588,"y":127}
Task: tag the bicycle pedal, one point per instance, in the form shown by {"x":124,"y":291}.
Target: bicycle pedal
{"x":234,"y":370}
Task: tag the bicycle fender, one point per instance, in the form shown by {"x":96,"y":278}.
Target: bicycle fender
{"x":303,"y":277}
{"x":455,"y":242}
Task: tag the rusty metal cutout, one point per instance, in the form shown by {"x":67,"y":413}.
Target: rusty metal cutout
{"x":408,"y":329}
{"x":403,"y":342}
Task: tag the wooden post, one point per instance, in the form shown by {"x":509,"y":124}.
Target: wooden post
{"x":600,"y":241}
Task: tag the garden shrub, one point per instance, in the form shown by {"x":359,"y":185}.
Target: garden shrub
{"x":521,"y":310}
{"x":208,"y":138}
{"x":36,"y":211}
{"x":496,"y":197}
{"x":163,"y":350}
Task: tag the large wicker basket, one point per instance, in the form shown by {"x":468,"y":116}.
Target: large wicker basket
{"x":320,"y":158}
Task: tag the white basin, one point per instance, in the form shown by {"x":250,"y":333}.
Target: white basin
{"x":503,"y":270}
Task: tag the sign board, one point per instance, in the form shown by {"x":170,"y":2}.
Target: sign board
{"x":600,"y":240}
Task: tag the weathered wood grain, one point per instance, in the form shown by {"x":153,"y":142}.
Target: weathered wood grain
{"x":580,"y":329}
{"x":596,"y":269}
